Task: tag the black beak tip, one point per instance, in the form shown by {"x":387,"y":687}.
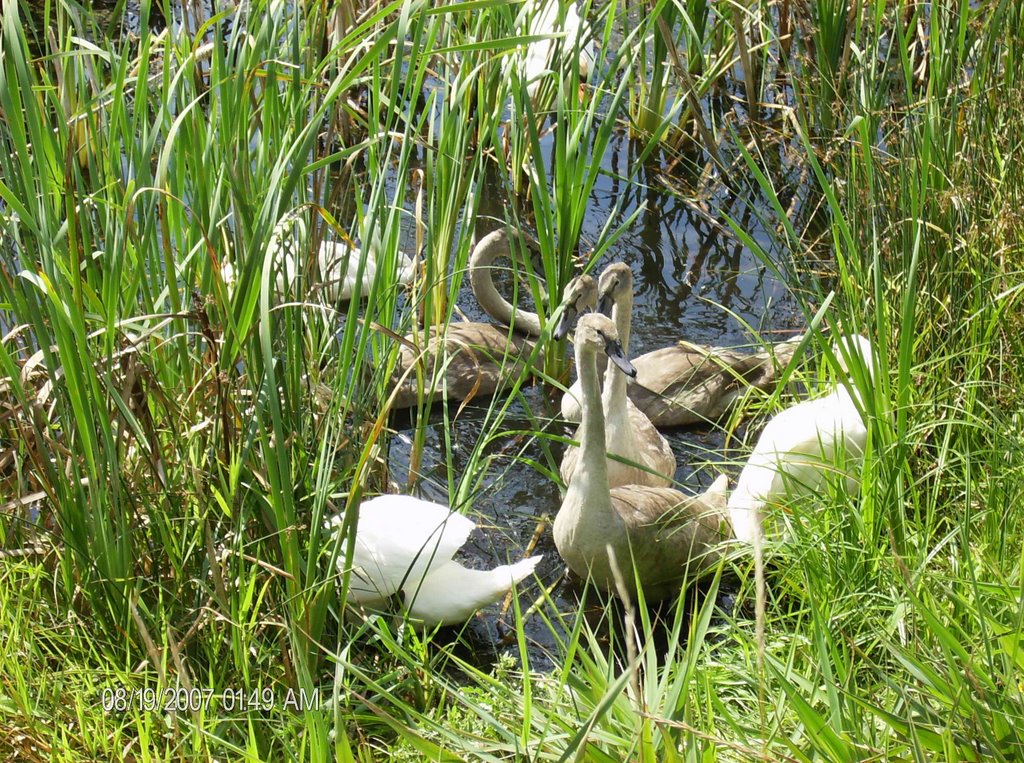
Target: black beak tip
{"x":618,"y":357}
{"x":561,"y":330}
{"x":605,"y":304}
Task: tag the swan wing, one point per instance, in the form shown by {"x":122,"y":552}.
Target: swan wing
{"x":475,"y":358}
{"x":538,"y":60}
{"x":670,"y":533}
{"x":813,"y":429}
{"x":793,"y":454}
{"x":631,"y":436}
{"x":571,"y":409}
{"x":339,"y":266}
{"x":677,"y":385}
{"x":398,"y":538}
{"x":570,"y":459}
{"x":652,"y":448}
{"x":653,"y":509}
{"x":682,"y":364}
{"x":688,"y":383}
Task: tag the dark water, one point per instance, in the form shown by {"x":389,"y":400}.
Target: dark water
{"x":689,"y":277}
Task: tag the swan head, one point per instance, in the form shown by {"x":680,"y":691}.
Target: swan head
{"x":580,"y":296}
{"x":597,"y":333}
{"x":615,"y":285}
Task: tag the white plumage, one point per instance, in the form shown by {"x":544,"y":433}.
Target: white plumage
{"x":337,"y":273}
{"x":406,"y":544}
{"x":540,"y":59}
{"x":799,"y":446}
{"x":338,"y":266}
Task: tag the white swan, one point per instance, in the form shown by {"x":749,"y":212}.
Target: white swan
{"x":474,"y":358}
{"x":800,"y":445}
{"x":629,"y":434}
{"x":338,"y":266}
{"x":407,"y":544}
{"x":570,"y":36}
{"x":658,"y":536}
{"x":337,"y":272}
{"x":685,"y":383}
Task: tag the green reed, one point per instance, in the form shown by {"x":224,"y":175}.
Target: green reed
{"x":188,"y":440}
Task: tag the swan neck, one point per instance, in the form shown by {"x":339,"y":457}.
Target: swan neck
{"x":622,"y":314}
{"x":593,"y":468}
{"x":491,"y":248}
{"x":614,"y":388}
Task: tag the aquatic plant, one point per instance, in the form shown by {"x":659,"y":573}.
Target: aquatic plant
{"x":169,"y":450}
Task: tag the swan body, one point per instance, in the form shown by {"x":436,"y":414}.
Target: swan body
{"x":629,"y":434}
{"x":685,"y":383}
{"x":656,"y":535}
{"x":338,"y":264}
{"x":471,"y":358}
{"x":798,"y":447}
{"x":540,"y":60}
{"x":406,"y":544}
{"x":466,"y":359}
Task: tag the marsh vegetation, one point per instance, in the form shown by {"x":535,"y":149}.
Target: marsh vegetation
{"x":171,"y":445}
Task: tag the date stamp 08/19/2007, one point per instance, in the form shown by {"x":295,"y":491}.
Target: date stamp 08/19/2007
{"x":120,"y":699}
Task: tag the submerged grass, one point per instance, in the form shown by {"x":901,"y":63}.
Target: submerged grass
{"x":170,"y":447}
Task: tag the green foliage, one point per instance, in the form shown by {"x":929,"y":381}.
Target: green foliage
{"x":170,"y":444}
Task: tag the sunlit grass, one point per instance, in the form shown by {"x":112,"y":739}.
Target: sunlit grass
{"x":179,"y":444}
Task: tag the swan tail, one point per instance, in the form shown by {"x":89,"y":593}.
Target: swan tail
{"x":718,"y":493}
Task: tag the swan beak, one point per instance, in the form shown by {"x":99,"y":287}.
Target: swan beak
{"x":605,"y":304}
{"x":565,"y":323}
{"x":618,"y":357}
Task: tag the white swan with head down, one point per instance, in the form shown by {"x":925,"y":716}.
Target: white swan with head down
{"x":629,"y":434}
{"x":474,"y":358}
{"x":406,"y":544}
{"x":339,"y":271}
{"x":657,"y":536}
{"x":685,"y":383}
{"x":568,"y":36}
{"x":801,"y":445}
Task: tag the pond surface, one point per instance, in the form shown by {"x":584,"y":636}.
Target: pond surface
{"x":690,"y":276}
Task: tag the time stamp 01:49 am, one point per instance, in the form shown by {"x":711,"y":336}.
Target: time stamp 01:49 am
{"x":181,"y":700}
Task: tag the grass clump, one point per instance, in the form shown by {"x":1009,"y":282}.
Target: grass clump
{"x":170,"y":447}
